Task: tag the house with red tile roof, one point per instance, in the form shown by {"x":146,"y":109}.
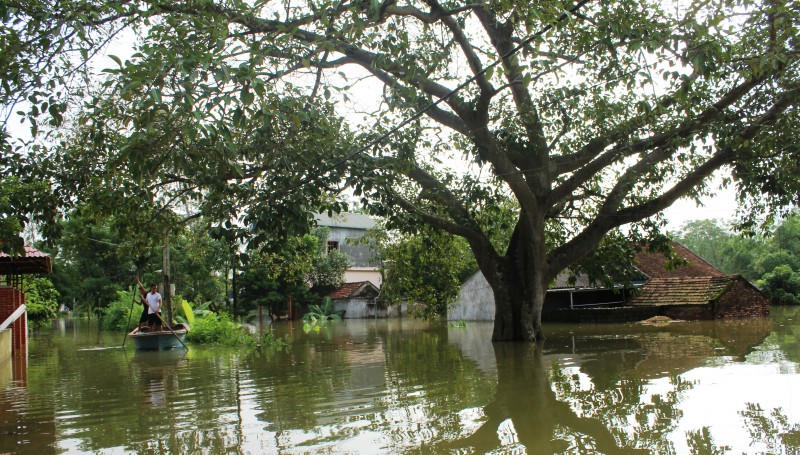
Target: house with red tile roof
{"x":684,"y":287}
{"x":360,"y":300}
{"x":695,"y":289}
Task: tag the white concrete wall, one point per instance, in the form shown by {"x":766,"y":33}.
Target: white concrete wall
{"x":354,"y":308}
{"x":475,"y":301}
{"x":357,"y":274}
{"x":6,"y":365}
{"x":358,"y":309}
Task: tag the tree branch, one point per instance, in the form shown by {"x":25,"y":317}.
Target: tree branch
{"x":580,"y":245}
{"x":469,"y":52}
{"x":685,"y":129}
{"x":428,"y":18}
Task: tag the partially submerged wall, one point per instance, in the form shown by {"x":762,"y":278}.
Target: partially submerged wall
{"x":475,"y":301}
{"x":11,"y":299}
{"x":6,"y":365}
{"x":742,"y":300}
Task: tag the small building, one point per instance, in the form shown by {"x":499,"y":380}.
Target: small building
{"x":360,"y":300}
{"x":695,"y":289}
{"x":346,"y":232}
{"x":14,"y":339}
{"x":692,"y":290}
{"x":476,"y":301}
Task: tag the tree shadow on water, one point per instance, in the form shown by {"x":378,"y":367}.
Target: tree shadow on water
{"x":525,"y":411}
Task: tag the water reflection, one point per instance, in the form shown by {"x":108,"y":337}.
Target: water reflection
{"x":403,"y":386}
{"x":526,"y":414}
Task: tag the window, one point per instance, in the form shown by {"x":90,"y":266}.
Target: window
{"x":332,"y":245}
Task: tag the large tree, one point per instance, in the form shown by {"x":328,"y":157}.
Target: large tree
{"x":592,"y":115}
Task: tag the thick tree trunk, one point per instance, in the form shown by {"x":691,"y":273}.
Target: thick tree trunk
{"x":519,"y":284}
{"x":518,"y":308}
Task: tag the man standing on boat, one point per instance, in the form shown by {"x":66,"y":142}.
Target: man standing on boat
{"x":154,"y":306}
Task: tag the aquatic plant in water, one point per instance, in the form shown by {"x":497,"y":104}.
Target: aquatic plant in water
{"x":461,"y":324}
{"x":318,"y":314}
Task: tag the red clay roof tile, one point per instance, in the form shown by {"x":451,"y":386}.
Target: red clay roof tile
{"x":682,"y":290}
{"x":655,"y":264}
{"x":347,"y":290}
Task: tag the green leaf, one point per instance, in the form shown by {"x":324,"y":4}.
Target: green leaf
{"x":247,"y":97}
{"x":155,"y":95}
{"x":187,"y":311}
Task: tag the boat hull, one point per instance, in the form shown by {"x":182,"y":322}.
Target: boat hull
{"x":147,"y":340}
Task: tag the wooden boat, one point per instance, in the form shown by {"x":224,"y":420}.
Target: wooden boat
{"x":153,"y":340}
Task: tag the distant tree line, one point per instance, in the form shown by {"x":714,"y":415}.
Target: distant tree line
{"x":771,"y":261}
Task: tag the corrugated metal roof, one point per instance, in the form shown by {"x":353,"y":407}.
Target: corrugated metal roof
{"x":345,"y":220}
{"x":562,"y":281}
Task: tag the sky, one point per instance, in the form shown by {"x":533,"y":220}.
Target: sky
{"x":722,"y":205}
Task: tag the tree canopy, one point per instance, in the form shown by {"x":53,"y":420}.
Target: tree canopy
{"x":425,"y":269}
{"x":591,"y":115}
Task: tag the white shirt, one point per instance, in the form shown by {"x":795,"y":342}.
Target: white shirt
{"x":153,"y":302}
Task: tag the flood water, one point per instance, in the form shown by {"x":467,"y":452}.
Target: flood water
{"x":402,"y":386}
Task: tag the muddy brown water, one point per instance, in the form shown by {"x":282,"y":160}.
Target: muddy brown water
{"x":403,"y":386}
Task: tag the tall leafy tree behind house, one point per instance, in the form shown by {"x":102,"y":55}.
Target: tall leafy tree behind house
{"x":199,"y":263}
{"x":302,"y":268}
{"x":592,"y":115}
{"x":328,"y":264}
{"x":425,"y":270}
{"x":771,"y":261}
{"x":269,"y":278}
{"x":716,"y":243}
{"x":88,"y":267}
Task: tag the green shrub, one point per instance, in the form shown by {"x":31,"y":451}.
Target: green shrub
{"x":457,"y":324}
{"x":323,"y":312}
{"x":219,"y":329}
{"x":117,"y":314}
{"x":41,"y":299}
{"x":318,"y":314}
{"x":782,"y":285}
{"x":269,"y":341}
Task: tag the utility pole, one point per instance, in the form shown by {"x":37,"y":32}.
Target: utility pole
{"x":167,"y":297}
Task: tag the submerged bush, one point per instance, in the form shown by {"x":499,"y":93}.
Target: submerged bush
{"x":117,"y":314}
{"x":215,"y":328}
{"x":219,"y":329}
{"x":269,"y":341}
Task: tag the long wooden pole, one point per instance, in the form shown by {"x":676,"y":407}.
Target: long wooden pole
{"x":172,"y":331}
{"x":133,"y":302}
{"x":167,"y":297}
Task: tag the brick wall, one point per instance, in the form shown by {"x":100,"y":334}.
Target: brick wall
{"x":689,"y":312}
{"x":601,"y":315}
{"x":10,"y":300}
{"x":742,"y":301}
